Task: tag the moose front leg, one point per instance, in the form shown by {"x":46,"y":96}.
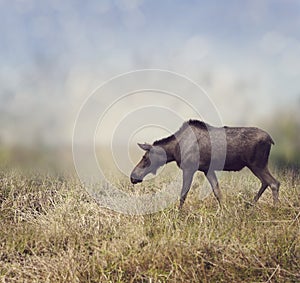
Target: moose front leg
{"x":186,"y":185}
{"x":212,"y":178}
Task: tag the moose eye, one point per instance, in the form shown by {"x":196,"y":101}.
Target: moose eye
{"x":146,"y":162}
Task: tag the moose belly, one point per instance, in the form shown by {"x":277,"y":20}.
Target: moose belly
{"x":233,"y":164}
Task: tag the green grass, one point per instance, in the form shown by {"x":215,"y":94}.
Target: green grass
{"x":52,"y":231}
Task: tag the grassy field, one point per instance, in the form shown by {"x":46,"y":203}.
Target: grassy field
{"x":52,"y":231}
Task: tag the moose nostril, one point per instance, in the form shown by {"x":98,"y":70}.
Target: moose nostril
{"x":135,"y":179}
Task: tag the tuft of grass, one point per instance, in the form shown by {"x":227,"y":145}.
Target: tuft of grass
{"x":52,"y":231}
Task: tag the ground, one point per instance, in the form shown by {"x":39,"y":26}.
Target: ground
{"x":53,"y":231}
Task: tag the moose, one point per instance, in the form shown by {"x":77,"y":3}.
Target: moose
{"x":198,"y":146}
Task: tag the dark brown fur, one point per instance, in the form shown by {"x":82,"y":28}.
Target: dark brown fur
{"x":199,"y":146}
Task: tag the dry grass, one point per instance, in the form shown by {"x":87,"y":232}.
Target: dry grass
{"x":52,"y":231}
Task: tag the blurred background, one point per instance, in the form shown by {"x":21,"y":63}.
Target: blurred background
{"x":245,"y":54}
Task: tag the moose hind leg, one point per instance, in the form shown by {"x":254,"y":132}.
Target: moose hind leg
{"x":267,"y":180}
{"x":264,"y":184}
{"x":274,"y":185}
{"x":261,"y":190}
{"x":212,"y":178}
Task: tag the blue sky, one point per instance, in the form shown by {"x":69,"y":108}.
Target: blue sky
{"x":246,"y":54}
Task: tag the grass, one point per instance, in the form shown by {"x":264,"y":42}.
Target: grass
{"x":52,"y":231}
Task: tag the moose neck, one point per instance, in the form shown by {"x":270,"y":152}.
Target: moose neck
{"x":169,"y":144}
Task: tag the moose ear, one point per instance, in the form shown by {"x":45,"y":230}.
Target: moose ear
{"x":145,"y":146}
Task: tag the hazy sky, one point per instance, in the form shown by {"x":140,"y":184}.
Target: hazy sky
{"x":246,"y":54}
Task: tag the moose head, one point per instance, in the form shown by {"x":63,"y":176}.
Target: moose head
{"x":154,"y":157}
